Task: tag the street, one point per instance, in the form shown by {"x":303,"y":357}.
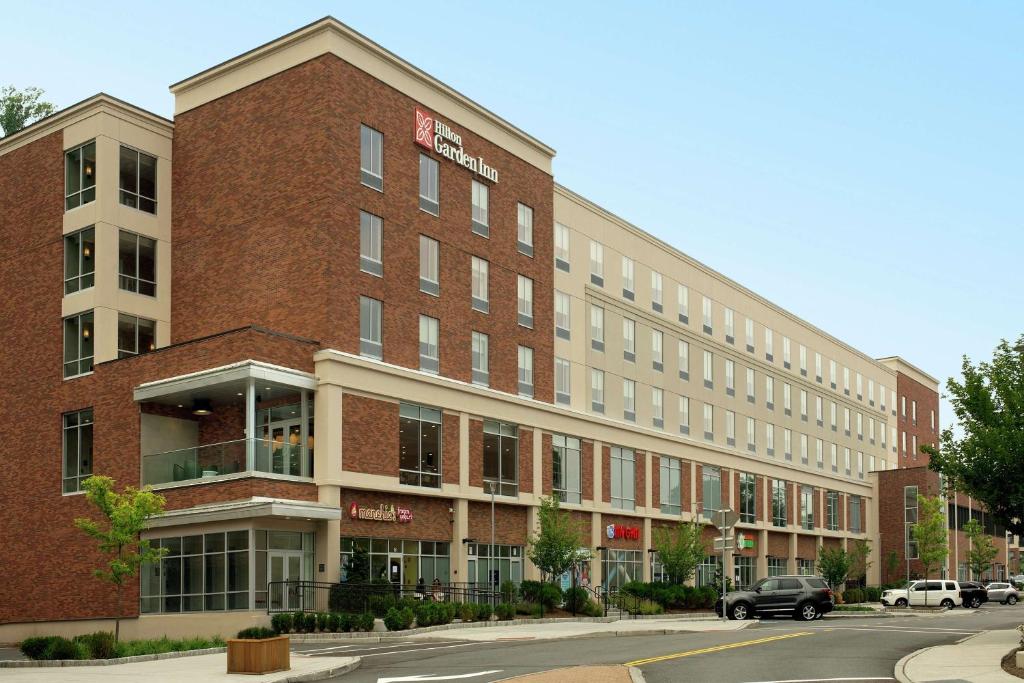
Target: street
{"x":771,"y":651}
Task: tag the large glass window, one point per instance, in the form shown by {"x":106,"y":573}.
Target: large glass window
{"x":78,"y":344}
{"x":563,"y":381}
{"x":748,"y":510}
{"x":620,"y":567}
{"x":419,"y":446}
{"x":670,"y":483}
{"x":430,"y":360}
{"x":525,"y":354}
{"x":205,"y":572}
{"x":832,"y":511}
{"x":597,"y":390}
{"x":807,"y":507}
{"x":370,"y":339}
{"x":371,"y":242}
{"x":623,"y":478}
{"x":80,"y":175}
{"x":429,"y":185}
{"x":481,"y":361}
{"x":776,"y":566}
{"x":492,"y":566}
{"x":562,"y":247}
{"x":501,"y":457}
{"x":525,"y":306}
{"x":481,"y":220}
{"x":77,"y":449}
{"x":524,"y":240}
{"x":804,"y":567}
{"x":565,"y":468}
{"x":430,"y":265}
{"x":134,"y":335}
{"x":136,"y":263}
{"x":138,"y":180}
{"x":910,"y":521}
{"x":707,"y":569}
{"x":855,"y":514}
{"x":371,"y":157}
{"x":79,"y":260}
{"x":778,"y":503}
{"x":711,"y":487}
{"x":481,"y":269}
{"x":427,"y":560}
{"x":745,"y":571}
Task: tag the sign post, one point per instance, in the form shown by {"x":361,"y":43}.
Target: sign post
{"x":726,"y":519}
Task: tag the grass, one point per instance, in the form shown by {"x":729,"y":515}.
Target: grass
{"x":853,"y":608}
{"x":132,"y":648}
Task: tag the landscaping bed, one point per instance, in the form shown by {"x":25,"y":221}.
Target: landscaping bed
{"x":101,"y":646}
{"x":1010,"y":664}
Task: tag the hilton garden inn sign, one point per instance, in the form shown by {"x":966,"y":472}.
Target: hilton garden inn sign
{"x":436,"y":135}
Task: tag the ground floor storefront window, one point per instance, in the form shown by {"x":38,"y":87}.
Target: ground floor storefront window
{"x":745,"y":571}
{"x":805,"y":567}
{"x":776,"y":566}
{"x":619,"y":567}
{"x":707,"y":570}
{"x":505,"y":563}
{"x":401,"y":561}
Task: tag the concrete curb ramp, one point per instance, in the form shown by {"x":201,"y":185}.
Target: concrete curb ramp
{"x":975,"y":658}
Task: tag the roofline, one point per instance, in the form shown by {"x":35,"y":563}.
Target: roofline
{"x":900,"y":360}
{"x":643,"y":234}
{"x":329,"y":23}
{"x":60,"y":119}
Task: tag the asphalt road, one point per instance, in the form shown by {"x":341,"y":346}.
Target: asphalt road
{"x":770,"y":651}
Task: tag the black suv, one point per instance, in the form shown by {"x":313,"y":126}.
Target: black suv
{"x":973,"y":593}
{"x":804,"y":597}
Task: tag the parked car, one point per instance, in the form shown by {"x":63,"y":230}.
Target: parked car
{"x":1017,"y":580}
{"x":1003,"y":593}
{"x":803,"y":597}
{"x":973,"y":594}
{"x":933,"y":593}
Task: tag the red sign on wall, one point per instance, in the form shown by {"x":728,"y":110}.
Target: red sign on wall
{"x":384,"y":512}
{"x":630,"y":533}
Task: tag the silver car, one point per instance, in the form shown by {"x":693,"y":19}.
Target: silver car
{"x":1003,"y":593}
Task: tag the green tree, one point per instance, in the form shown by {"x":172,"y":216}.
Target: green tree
{"x":834,"y":566}
{"x":123,"y":517}
{"x":982,"y":551}
{"x":930,"y":534}
{"x":357,"y":567}
{"x":859,"y":553}
{"x":18,"y":108}
{"x":680,"y":549}
{"x":555,"y":549}
{"x":987,"y":461}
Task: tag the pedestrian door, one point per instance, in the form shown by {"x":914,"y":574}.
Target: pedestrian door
{"x":285,"y":566}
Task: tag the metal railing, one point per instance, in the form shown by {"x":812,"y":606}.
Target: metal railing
{"x":228,"y":457}
{"x":319,"y":596}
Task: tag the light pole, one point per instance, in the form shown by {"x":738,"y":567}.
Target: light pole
{"x":490,"y":555}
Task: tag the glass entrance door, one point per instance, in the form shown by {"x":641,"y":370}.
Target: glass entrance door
{"x":395,"y":569}
{"x":285,"y":447}
{"x":285,"y":566}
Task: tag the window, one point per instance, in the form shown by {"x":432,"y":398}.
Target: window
{"x":709,"y":422}
{"x":846,"y":421}
{"x":730,"y":377}
{"x":77,"y":449}
{"x":787,"y":443}
{"x":817,"y":367}
{"x":730,"y":428}
{"x":209,"y":572}
{"x":803,"y":449}
{"x":769,"y":354}
{"x":683,"y":294}
{"x":419,"y":446}
{"x":706,"y":307}
{"x":787,"y":403}
{"x":562,"y":247}
{"x":684,"y":415}
{"x":871,"y":392}
{"x":79,"y":260}
{"x":776,"y":566}
{"x":501,"y":457}
{"x":769,"y":439}
{"x":913,"y":412}
{"x":670,"y":471}
{"x":747,"y":498}
{"x":429,"y":185}
{"x":629,"y":400}
{"x":656,"y":292}
{"x":597,"y":328}
{"x":913,"y":445}
{"x":566,"y":482}
{"x":806,"y":507}
{"x":909,"y":521}
{"x":136,"y":263}
{"x":524,"y":239}
{"x":709,"y":371}
{"x":751,"y":435}
{"x":803,"y":360}
{"x":750,"y":335}
{"x":933,"y":420}
{"x":860,"y":387}
{"x":657,"y":407}
{"x":134,"y":335}
{"x":562,"y":309}
{"x":80,"y":175}
{"x":597,"y":263}
{"x":526,"y":371}
{"x":628,"y":284}
{"x":855,"y":516}
{"x":623,"y":465}
{"x":711,"y":487}
{"x":370,"y":342}
{"x":371,"y":157}
{"x":481,"y":361}
{"x":819,"y":411}
{"x":786,"y":358}
{"x":371,"y":237}
{"x":481,"y":270}
{"x":619,"y":567}
{"x":846,"y":380}
{"x":629,"y":339}
{"x":835,"y":454}
{"x":769,"y":392}
{"x":657,"y":357}
{"x":846,"y":460}
{"x":707,"y":570}
{"x":563,"y":375}
{"x":745,"y":571}
{"x":684,"y":360}
{"x":881,"y":397}
{"x":819,"y":451}
{"x":730,"y":327}
{"x":860,"y":426}
{"x":892,"y":395}
{"x":881,"y":433}
{"x":525,"y":288}
{"x":480,"y":197}
{"x":78,"y":344}
{"x":429,"y":352}
{"x":138,"y":180}
{"x":430,"y":265}
{"x":597,"y":390}
{"x":832,"y":374}
{"x":750,"y":385}
{"x":803,"y":405}
{"x":804,"y":567}
{"x":832,"y":415}
{"x":778,"y":503}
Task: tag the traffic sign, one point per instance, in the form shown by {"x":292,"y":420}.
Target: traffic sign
{"x":719,"y":545}
{"x":724,"y":519}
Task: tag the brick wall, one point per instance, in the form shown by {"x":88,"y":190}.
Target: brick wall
{"x":450,"y":452}
{"x":238,"y":489}
{"x":778,"y":544}
{"x":526,"y":460}
{"x":431,"y":520}
{"x":509,"y":523}
{"x":369,"y":436}
{"x":587,"y":476}
{"x":927,"y":400}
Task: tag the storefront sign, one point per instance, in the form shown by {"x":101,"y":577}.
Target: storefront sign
{"x":630,"y":533}
{"x":743,"y":542}
{"x":385,"y":512}
{"x":437,"y":136}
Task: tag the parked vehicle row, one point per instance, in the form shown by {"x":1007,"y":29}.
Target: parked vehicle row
{"x":951,"y":594}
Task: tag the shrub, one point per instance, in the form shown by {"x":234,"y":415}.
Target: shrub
{"x":575,"y":599}
{"x":509,"y":591}
{"x":484,"y":612}
{"x":593,"y":609}
{"x":448,"y":612}
{"x":323,"y":622}
{"x":62,"y":648}
{"x":344,"y":622}
{"x":256,"y":633}
{"x":426,"y":614}
{"x":398,"y":619}
{"x":34,"y":647}
{"x":853,"y":595}
{"x":362,"y":622}
{"x":380,"y":603}
{"x":131,"y":648}
{"x":708,"y":597}
{"x":281,"y":622}
{"x":872,"y":594}
{"x":505,"y":611}
{"x":530,"y":591}
{"x":467,"y":612}
{"x":100,"y":645}
{"x":547,"y":593}
{"x":299,"y":622}
{"x":528,"y":608}
{"x":346,"y":598}
{"x":310,"y":622}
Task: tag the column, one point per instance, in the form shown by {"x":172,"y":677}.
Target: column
{"x":791,"y":562}
{"x":250,"y":424}
{"x":646,"y":535}
{"x":649,"y":503}
{"x":327,"y":407}
{"x":538,"y":464}
{"x":328,"y":539}
{"x":530,"y":570}
{"x":460,"y":530}
{"x":596,"y":539}
{"x":304,"y":432}
{"x":762,"y":553}
{"x":463,"y":452}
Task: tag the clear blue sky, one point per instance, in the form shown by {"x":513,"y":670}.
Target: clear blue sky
{"x":857,"y":163}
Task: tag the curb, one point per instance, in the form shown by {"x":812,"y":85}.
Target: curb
{"x":636,"y":676}
{"x":323,"y":673}
{"x":58,"y":663}
{"x":613,"y":634}
{"x":899,"y":671}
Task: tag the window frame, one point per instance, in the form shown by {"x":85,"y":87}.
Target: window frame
{"x":79,"y":476}
{"x":480,"y":219}
{"x":371,"y":243}
{"x":430,"y":265}
{"x":79,"y":360}
{"x":524,"y":229}
{"x":137,"y":193}
{"x":423,"y":415}
{"x":74,"y":199}
{"x":137,"y":322}
{"x":126,"y":282}
{"x":430,"y":363}
{"x":622,"y":460}
{"x":503,"y":431}
{"x":368,"y":178}
{"x":83,"y":279}
{"x":566,"y":450}
{"x":480,"y":348}
{"x":370,"y":347}
{"x":430,"y":203}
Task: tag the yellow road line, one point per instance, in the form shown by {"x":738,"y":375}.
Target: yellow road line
{"x":717,"y":648}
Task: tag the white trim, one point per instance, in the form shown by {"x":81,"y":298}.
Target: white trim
{"x":246,"y":509}
{"x":224,"y":374}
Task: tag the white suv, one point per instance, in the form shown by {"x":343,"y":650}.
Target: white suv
{"x":938,"y":593}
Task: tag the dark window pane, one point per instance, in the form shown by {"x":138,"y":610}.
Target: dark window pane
{"x":431,"y":446}
{"x":147,"y":176}
{"x":147,"y":259}
{"x":127,"y":254}
{"x":147,"y":335}
{"x":408,"y":444}
{"x":88,"y":171}
{"x":126,"y":342}
{"x":129,"y":169}
{"x":491,"y":444}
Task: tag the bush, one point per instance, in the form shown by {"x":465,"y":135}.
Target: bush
{"x":593,"y":609}
{"x":509,"y":591}
{"x":62,"y":648}
{"x":380,"y":603}
{"x":467,"y":612}
{"x":131,"y":648}
{"x":872,"y":594}
{"x":505,"y":611}
{"x":527,"y":608}
{"x":323,"y":622}
{"x":34,"y":647}
{"x":281,"y":622}
{"x":549,"y":594}
{"x":575,"y":599}
{"x":256,"y":633}
{"x":101,"y":645}
{"x":362,"y":622}
{"x":426,"y":614}
{"x":310,"y":622}
{"x":398,"y":619}
{"x":853,"y":595}
{"x":346,"y":598}
{"x":484,"y":612}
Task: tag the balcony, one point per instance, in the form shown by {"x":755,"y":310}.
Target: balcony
{"x":229,"y":457}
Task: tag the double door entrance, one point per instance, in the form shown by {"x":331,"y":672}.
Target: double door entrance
{"x":285,"y":574}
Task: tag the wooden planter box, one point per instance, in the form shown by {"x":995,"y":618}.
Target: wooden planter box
{"x":262,"y":656}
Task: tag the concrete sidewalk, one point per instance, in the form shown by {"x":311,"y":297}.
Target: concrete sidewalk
{"x":199,"y":669}
{"x":976,"y":659}
{"x":575,"y":629}
{"x":583,"y":674}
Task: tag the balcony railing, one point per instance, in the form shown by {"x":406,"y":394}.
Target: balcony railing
{"x":229,"y":457}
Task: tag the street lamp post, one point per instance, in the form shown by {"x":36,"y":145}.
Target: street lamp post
{"x":490,"y":556}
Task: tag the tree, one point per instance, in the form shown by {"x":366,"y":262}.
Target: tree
{"x":357,"y":567}
{"x":859,"y":562}
{"x":930,"y":534}
{"x":123,"y":517}
{"x":680,"y":549}
{"x":892,"y":563}
{"x":18,"y":108}
{"x":987,"y":461}
{"x":555,"y":549}
{"x":982,"y":550}
{"x":834,"y":565}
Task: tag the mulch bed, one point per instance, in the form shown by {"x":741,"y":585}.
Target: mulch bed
{"x":1010,"y":665}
